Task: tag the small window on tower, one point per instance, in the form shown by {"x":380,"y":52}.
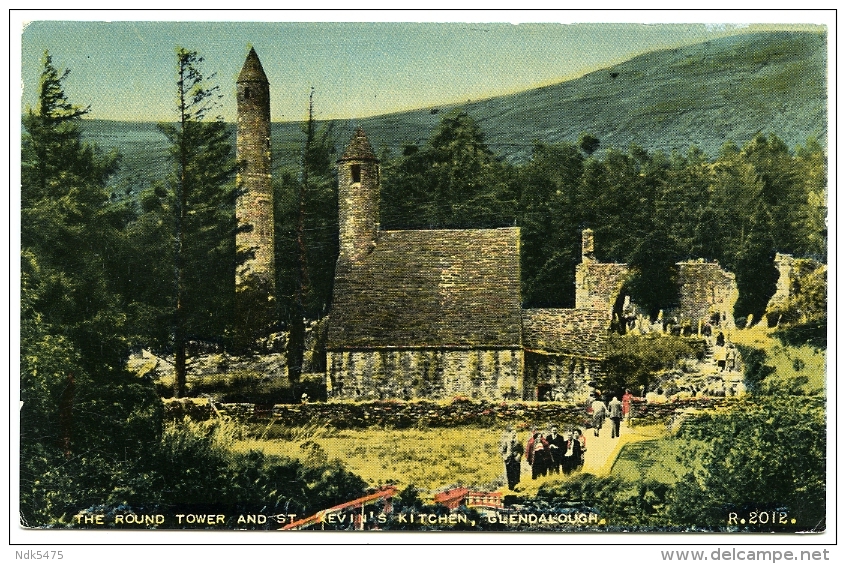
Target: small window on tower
{"x":356,"y":173}
{"x":246,"y":93}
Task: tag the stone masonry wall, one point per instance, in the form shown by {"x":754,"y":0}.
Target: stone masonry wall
{"x":425,"y":373}
{"x":358,"y":201}
{"x":706,"y":289}
{"x":598,"y":284}
{"x":459,"y":411}
{"x":784,"y":265}
{"x":254,"y":209}
{"x":559,"y":377}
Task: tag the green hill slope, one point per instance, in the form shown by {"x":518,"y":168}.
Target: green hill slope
{"x":705,"y":94}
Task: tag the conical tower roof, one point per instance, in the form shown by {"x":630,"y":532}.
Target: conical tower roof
{"x":359,"y":148}
{"x":252,"y":70}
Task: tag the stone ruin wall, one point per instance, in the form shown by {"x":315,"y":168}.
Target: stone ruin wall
{"x":790,"y":272}
{"x":598,"y":284}
{"x":784,"y":265}
{"x":425,"y":373}
{"x":568,"y":378}
{"x":705,"y":289}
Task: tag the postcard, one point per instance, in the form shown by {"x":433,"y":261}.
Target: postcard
{"x":425,"y":277}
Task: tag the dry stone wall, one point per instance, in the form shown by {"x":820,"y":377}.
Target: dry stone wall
{"x":457,"y":412}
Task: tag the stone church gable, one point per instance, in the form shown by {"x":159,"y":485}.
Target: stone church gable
{"x":706,"y":293}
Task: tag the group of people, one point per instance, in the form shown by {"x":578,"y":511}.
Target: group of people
{"x":556,"y":453}
{"x":550,"y":453}
{"x":615,"y":409}
{"x":725,"y":353}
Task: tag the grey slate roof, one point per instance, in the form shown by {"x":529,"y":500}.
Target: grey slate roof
{"x":574,"y":332}
{"x":430,"y":288}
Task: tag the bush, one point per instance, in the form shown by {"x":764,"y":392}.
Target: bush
{"x":623,"y":503}
{"x":635,"y":360}
{"x":808,"y":300}
{"x":192,"y":468}
{"x":754,"y":368}
{"x":767,"y":455}
{"x":195,"y":466}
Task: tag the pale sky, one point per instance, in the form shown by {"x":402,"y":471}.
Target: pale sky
{"x":125,"y":70}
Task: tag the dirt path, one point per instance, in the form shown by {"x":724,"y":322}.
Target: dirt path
{"x":602,"y":451}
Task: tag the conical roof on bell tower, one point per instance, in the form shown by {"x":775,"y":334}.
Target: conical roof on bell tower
{"x":252,"y":70}
{"x":359,"y":148}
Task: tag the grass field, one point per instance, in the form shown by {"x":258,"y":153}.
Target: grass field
{"x":430,"y":459}
{"x":650,"y":460}
{"x":801,"y":368}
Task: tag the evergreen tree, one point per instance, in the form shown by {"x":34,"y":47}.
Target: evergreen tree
{"x":307,"y":239}
{"x":658,"y":237}
{"x":549,"y":222}
{"x":68,"y":224}
{"x":454,"y":181}
{"x":760,"y":207}
{"x":190,"y":219}
{"x":811,"y":162}
{"x":74,"y":334}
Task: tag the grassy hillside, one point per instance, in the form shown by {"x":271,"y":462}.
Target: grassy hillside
{"x":706,"y":94}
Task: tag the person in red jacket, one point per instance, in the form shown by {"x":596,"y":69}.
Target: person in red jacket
{"x":627,"y":405}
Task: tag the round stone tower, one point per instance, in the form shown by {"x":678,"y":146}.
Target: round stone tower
{"x":358,"y":198}
{"x":254,"y":209}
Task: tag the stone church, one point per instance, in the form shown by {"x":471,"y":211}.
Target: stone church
{"x":437,"y":313}
{"x":416,"y":314}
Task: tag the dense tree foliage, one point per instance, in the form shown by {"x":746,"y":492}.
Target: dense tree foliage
{"x":757,"y":467}
{"x":767,"y":455}
{"x":306,"y":201}
{"x":550,"y":224}
{"x":635,"y":360}
{"x":650,"y":210}
{"x":453,"y":181}
{"x":74,"y":332}
{"x":69,"y":226}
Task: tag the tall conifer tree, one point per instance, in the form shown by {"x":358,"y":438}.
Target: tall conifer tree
{"x":307,"y":238}
{"x":198,"y":202}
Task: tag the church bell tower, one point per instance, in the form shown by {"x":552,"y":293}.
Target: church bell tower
{"x":358,"y":199}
